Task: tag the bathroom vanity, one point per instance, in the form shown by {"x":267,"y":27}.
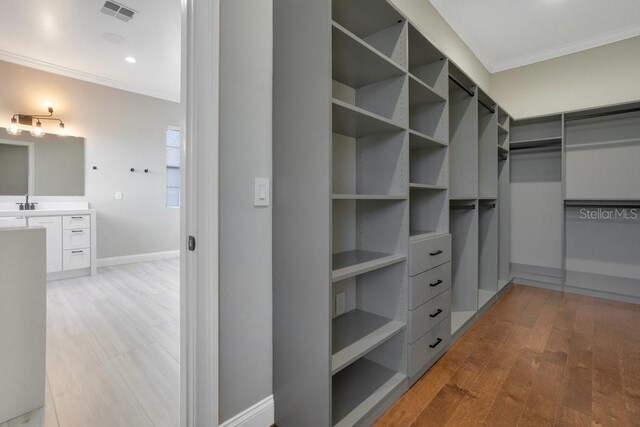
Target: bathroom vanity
{"x":42,"y":184}
{"x":71,"y":238}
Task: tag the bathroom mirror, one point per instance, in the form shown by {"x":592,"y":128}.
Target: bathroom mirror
{"x":49,"y":166}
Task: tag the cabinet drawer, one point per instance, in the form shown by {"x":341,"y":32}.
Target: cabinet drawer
{"x":76,"y":258}
{"x":428,"y":315}
{"x":76,"y":221}
{"x":76,"y":239}
{"x":11,"y":221}
{"x":428,"y":253}
{"x":423,"y":351}
{"x":427,"y":285}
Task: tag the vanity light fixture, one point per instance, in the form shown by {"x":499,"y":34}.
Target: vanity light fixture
{"x":13,"y":128}
{"x":36,"y":129}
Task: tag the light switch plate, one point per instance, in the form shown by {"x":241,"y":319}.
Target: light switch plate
{"x":262,"y":195}
{"x":118,"y":195}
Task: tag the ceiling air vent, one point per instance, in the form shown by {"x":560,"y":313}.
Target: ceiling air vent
{"x":118,"y":11}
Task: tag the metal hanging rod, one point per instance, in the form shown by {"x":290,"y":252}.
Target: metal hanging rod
{"x":463,"y":207}
{"x":605,"y":204}
{"x":490,"y":206}
{"x":493,"y":111}
{"x":533,"y":146}
{"x":462,"y":86}
{"x":470,"y":92}
{"x":603,"y":114}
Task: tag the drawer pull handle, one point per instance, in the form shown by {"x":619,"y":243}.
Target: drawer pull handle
{"x":76,"y":217}
{"x":435,"y":253}
{"x":437,"y":313}
{"x":433,"y":285}
{"x":77,"y":252}
{"x":435,"y":344}
{"x":76,"y":231}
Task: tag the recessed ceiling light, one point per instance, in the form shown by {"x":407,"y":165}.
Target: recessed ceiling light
{"x":130,"y":59}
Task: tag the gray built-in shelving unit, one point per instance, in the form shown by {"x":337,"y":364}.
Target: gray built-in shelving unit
{"x":564,"y":165}
{"x":378,"y":156}
{"x":537,"y":205}
{"x":479,"y":199}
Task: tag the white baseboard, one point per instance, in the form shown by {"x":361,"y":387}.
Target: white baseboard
{"x":259,"y":415}
{"x":131,"y":259}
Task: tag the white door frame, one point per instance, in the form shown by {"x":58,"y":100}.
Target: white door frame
{"x":199,"y":214}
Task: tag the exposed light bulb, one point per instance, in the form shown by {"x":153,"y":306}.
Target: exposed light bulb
{"x":62,"y":131}
{"x":37,"y":131}
{"x":130,"y":59}
{"x":13,"y":128}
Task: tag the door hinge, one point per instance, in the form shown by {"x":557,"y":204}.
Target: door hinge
{"x":191,"y":243}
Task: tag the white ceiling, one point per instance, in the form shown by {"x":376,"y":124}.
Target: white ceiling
{"x":66,"y":37}
{"x":506,"y":34}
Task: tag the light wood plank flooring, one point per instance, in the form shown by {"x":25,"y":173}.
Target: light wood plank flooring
{"x":535,"y":358}
{"x":113,"y":346}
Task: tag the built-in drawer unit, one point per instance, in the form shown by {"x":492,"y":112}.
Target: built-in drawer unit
{"x":424,"y":350}
{"x":13,"y":221}
{"x":53,"y":225}
{"x":76,"y":239}
{"x":428,"y":253}
{"x":76,"y":221}
{"x":76,"y":258}
{"x":428,"y":315}
{"x":427,"y":285}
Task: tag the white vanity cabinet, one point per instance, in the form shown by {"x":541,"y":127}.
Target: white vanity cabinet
{"x":12,"y":221}
{"x":76,"y":242}
{"x":71,"y":238}
{"x":53,"y":225}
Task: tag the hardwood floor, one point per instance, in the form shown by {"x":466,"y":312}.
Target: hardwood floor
{"x":113,"y":346}
{"x":535,"y":358}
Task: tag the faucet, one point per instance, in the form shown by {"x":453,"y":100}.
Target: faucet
{"x":26,"y":206}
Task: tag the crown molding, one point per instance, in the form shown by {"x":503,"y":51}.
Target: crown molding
{"x":87,"y":77}
{"x":568,"y":48}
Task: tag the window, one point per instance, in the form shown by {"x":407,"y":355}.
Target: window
{"x":173,"y":167}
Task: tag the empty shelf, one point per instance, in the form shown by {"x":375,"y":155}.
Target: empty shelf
{"x":352,"y":263}
{"x":534,"y":143}
{"x":355,"y":122}
{"x":462,"y":198}
{"x":356,"y":63}
{"x":484,"y":297}
{"x":368,"y":197}
{"x":502,"y":130}
{"x":415,"y":186}
{"x":356,"y":333}
{"x":459,"y":318}
{"x":422,"y":94}
{"x":423,"y":234}
{"x":358,"y":389}
{"x":418,"y":140}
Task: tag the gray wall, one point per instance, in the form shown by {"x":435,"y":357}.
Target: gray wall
{"x":14,"y":169}
{"x":600,"y":76}
{"x":122,"y":130}
{"x":245,"y":231}
{"x":59,"y":167}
